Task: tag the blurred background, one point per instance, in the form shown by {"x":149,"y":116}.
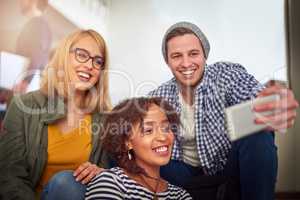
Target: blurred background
{"x":264,"y":36}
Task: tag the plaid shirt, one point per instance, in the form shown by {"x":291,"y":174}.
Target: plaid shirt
{"x":223,"y":84}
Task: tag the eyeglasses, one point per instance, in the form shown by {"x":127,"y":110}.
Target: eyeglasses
{"x":83,"y":56}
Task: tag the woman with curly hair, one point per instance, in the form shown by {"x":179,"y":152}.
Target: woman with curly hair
{"x":139,"y":135}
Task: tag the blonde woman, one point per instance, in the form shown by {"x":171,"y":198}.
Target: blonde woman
{"x":56,"y":128}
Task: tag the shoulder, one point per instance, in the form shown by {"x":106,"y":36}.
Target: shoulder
{"x":109,"y":176}
{"x":178,"y":192}
{"x":164,"y":89}
{"x":106,"y":181}
{"x":31,"y":99}
{"x":227,"y":74}
{"x":34,"y":96}
{"x":108,"y":184}
{"x":227,"y":68}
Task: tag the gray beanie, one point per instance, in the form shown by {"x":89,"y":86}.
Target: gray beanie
{"x":195,"y":29}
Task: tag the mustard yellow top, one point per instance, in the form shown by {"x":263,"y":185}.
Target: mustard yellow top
{"x":66,"y":151}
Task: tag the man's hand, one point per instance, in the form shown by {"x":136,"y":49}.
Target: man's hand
{"x":86,"y":171}
{"x":284,"y":109}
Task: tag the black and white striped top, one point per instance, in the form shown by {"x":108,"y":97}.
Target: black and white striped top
{"x":115,"y":184}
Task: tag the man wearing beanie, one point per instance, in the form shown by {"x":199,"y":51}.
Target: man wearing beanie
{"x":200,"y":93}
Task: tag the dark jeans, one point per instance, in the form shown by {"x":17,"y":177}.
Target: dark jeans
{"x":252,"y":161}
{"x":62,"y":186}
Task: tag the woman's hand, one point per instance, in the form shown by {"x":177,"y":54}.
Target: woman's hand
{"x":86,"y":171}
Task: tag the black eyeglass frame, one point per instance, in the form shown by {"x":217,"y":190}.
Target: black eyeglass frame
{"x":88,"y":58}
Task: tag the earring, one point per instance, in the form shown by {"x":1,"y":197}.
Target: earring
{"x":129,"y":155}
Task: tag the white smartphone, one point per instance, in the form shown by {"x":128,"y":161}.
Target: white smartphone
{"x":240,"y":118}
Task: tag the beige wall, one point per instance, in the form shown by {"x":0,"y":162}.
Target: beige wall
{"x":294,"y":41}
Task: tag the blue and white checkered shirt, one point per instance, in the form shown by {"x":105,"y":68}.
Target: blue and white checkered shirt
{"x":223,"y":84}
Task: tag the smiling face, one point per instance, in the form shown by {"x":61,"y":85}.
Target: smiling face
{"x":152,"y":140}
{"x":186,"y":60}
{"x":83,"y":74}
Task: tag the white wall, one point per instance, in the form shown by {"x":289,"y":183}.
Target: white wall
{"x":248,"y":32}
{"x":87,"y":14}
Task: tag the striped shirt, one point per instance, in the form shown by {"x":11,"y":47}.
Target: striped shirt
{"x":223,"y":84}
{"x":114,"y":184}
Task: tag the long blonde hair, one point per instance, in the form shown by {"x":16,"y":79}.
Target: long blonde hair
{"x":56,"y":76}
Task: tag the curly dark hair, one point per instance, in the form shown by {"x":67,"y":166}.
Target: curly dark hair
{"x":119,"y":122}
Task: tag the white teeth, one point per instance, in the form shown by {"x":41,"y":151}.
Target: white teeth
{"x":161,"y":149}
{"x":189,"y":72}
{"x":85,"y":75}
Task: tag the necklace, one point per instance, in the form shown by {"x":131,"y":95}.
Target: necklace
{"x":149,"y":186}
